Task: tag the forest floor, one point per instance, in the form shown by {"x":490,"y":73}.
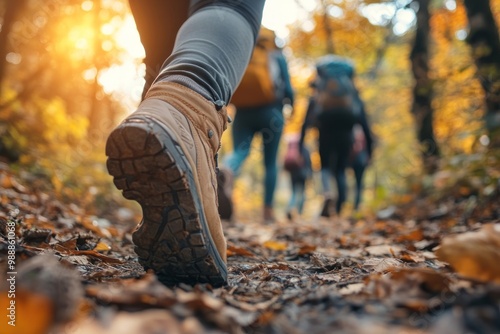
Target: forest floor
{"x":390,"y":274}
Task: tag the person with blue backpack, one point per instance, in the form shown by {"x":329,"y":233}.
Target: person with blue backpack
{"x":334,"y":108}
{"x":259,"y":102}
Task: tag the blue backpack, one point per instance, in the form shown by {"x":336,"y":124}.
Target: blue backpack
{"x":336,"y":98}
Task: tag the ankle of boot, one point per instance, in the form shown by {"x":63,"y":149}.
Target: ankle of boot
{"x":209,"y":118}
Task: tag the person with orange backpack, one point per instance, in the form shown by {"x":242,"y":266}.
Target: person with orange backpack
{"x":259,"y":101}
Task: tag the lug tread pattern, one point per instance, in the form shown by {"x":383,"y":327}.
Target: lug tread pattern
{"x":150,"y":167}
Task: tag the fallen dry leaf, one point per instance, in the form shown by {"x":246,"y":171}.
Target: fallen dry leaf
{"x":145,"y":291}
{"x":415,"y":235}
{"x":233,"y":250}
{"x":275,"y":245}
{"x":145,"y":322}
{"x":474,"y":255}
{"x":307,"y":249}
{"x":33,"y":313}
{"x":102,"y":247}
{"x":379,"y":250}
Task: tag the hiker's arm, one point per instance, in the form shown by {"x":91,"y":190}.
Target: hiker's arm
{"x":308,"y":121}
{"x":285,"y":74}
{"x":366,"y":127}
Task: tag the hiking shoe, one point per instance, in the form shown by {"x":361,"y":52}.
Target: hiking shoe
{"x":327,"y":204}
{"x":268,"y":214}
{"x":225,"y":193}
{"x":163,"y":157}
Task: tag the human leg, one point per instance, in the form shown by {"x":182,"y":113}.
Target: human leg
{"x":242,"y":134}
{"x":325,"y":160}
{"x":358,"y":166}
{"x":301,"y":196}
{"x":164,"y":155}
{"x":341,"y":155}
{"x":214,"y":46}
{"x":243,"y":131}
{"x":325,"y":181}
{"x":271,"y":129}
{"x":293,"y":198}
{"x":157,"y":22}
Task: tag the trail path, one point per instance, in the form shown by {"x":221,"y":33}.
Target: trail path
{"x":369,"y":275}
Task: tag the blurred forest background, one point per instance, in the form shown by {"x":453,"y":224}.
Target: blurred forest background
{"x":428,"y":71}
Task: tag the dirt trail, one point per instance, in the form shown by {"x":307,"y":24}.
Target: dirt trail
{"x":320,"y":276}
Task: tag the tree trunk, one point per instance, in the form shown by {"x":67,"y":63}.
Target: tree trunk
{"x":485,"y":44}
{"x":423,"y":89}
{"x":328,"y":29}
{"x":12,"y":10}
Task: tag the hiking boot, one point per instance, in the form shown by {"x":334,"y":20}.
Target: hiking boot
{"x":269,"y":215}
{"x":164,"y":157}
{"x":225,"y":193}
{"x":327,"y":204}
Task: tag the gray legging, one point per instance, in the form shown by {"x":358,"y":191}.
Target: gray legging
{"x":204,"y":45}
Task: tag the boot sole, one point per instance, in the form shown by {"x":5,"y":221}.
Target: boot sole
{"x":173,"y":239}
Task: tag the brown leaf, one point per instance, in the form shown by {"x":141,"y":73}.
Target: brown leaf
{"x":97,"y":255}
{"x":307,"y":249}
{"x":382,"y":264}
{"x":146,"y":291}
{"x":409,"y":256}
{"x":383,"y":250}
{"x":199,"y":301}
{"x":146,"y":322}
{"x":233,"y":250}
{"x":429,"y":279}
{"x":474,"y":254}
{"x":67,"y":245}
{"x":415,"y":235}
{"x":278,"y":266}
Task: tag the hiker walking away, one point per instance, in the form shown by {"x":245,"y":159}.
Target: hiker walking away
{"x":334,"y":108}
{"x":297,"y":163}
{"x":259,"y":101}
{"x":164,"y":154}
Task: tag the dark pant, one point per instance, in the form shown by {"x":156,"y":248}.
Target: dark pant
{"x":184,"y":41}
{"x":358,"y":164}
{"x":334,"y":148}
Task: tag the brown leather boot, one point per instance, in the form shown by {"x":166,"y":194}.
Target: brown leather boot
{"x":164,"y":157}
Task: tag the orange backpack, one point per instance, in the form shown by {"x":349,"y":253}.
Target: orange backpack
{"x":262,"y":79}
